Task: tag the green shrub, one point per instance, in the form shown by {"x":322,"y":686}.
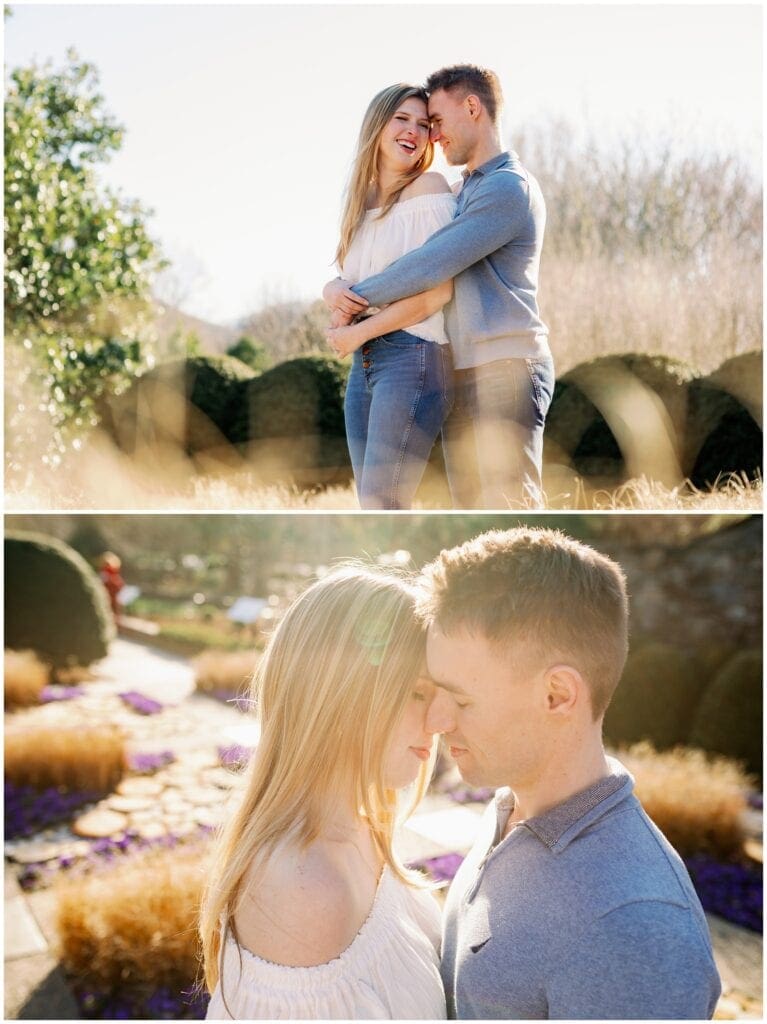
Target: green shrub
{"x":291,"y":422}
{"x":729,"y":716}
{"x":190,"y":403}
{"x":724,"y":433}
{"x":89,"y":540}
{"x":602,"y":423}
{"x":55,"y":604}
{"x":656,"y":697}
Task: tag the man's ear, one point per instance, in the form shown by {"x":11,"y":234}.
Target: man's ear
{"x":473,"y":105}
{"x":565,"y":688}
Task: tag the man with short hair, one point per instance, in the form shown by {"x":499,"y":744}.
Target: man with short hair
{"x":571,"y":904}
{"x":504,"y":379}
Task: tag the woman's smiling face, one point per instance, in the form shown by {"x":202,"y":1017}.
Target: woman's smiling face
{"x":405,"y":138}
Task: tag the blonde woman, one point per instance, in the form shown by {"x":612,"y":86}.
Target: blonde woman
{"x":308,"y":913}
{"x":401,"y":383}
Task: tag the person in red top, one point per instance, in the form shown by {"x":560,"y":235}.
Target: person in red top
{"x":111,"y":578}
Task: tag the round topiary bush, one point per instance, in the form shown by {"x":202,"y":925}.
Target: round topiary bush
{"x":190,"y":403}
{"x":656,"y":697}
{"x":619,"y":417}
{"x":291,"y":422}
{"x":724,"y":431}
{"x":728,"y":719}
{"x":55,"y":604}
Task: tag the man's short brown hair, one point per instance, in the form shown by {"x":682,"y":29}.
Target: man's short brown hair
{"x":470,"y":80}
{"x":536,"y":585}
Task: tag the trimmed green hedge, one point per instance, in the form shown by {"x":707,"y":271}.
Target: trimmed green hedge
{"x":55,"y":604}
{"x":592,"y":393}
{"x":188,"y":402}
{"x":724,"y":433}
{"x":656,"y":697}
{"x":728,"y":719}
{"x":291,"y":422}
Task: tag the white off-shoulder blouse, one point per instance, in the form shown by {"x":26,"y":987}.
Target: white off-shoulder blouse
{"x":389,"y":972}
{"x":377,"y":243}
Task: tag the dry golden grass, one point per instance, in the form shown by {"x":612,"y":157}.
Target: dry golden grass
{"x":241,"y":492}
{"x":135,"y":925}
{"x":25,"y":678}
{"x":224,"y":670}
{"x":695,"y":799}
{"x":75,"y":758}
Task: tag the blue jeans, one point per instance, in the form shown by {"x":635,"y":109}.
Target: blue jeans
{"x":400,"y":390}
{"x":493,"y":438}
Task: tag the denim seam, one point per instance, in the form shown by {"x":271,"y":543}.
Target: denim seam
{"x":536,"y":385}
{"x":409,"y":427}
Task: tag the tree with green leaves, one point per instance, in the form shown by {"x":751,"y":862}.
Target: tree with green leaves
{"x":251,"y":352}
{"x":78,"y":256}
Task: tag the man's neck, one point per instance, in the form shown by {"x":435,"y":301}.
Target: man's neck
{"x":565,"y":776}
{"x":485,"y":150}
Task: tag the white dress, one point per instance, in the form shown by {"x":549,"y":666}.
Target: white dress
{"x":389,"y":972}
{"x":377,"y":243}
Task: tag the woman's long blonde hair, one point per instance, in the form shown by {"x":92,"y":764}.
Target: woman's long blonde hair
{"x":364,"y":171}
{"x":329,"y":691}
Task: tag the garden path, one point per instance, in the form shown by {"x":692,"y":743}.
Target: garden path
{"x":35,"y":987}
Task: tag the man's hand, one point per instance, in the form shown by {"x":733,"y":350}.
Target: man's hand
{"x":337,"y":295}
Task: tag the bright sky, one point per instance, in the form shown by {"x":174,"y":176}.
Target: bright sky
{"x":241,"y":120}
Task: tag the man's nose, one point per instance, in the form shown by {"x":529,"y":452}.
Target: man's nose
{"x":435,"y":133}
{"x":440,"y":716}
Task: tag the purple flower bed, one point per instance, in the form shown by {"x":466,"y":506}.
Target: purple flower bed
{"x":101,"y":853}
{"x":29,"y":810}
{"x":141,"y":703}
{"x":238,"y":700}
{"x":461,"y":795}
{"x":163,"y":1004}
{"x":733,"y":891}
{"x":234,"y":756}
{"x":146,"y":764}
{"x":442,"y":869}
{"x":53,"y":693}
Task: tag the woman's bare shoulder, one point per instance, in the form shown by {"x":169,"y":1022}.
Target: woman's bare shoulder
{"x":426,"y":184}
{"x":299,"y":909}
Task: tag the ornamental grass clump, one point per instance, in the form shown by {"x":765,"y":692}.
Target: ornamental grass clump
{"x":217,"y":672}
{"x":25,"y":679}
{"x":79,"y":758}
{"x":134,"y":926}
{"x":696,"y":800}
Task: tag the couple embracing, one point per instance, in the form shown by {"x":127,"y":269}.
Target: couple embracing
{"x":571,"y":904}
{"x":437,"y":300}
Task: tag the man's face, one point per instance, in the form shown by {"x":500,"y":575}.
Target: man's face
{"x":491,"y":706}
{"x":452,"y":126}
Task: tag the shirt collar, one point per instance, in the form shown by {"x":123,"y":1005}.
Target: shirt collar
{"x":489,"y":165}
{"x":560,"y":825}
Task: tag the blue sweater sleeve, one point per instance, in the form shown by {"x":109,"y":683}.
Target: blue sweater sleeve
{"x":644,"y":961}
{"x":494,"y":214}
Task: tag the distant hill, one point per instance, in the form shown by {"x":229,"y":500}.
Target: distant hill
{"x":213,"y":337}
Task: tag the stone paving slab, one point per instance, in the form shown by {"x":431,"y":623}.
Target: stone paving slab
{"x":36,"y":989}
{"x":22,"y":933}
{"x":739,"y":957}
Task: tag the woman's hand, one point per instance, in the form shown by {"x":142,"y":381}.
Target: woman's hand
{"x":337,"y":295}
{"x":345,"y":340}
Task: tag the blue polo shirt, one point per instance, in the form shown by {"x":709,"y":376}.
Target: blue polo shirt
{"x":492,"y":251}
{"x":586,"y":912}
